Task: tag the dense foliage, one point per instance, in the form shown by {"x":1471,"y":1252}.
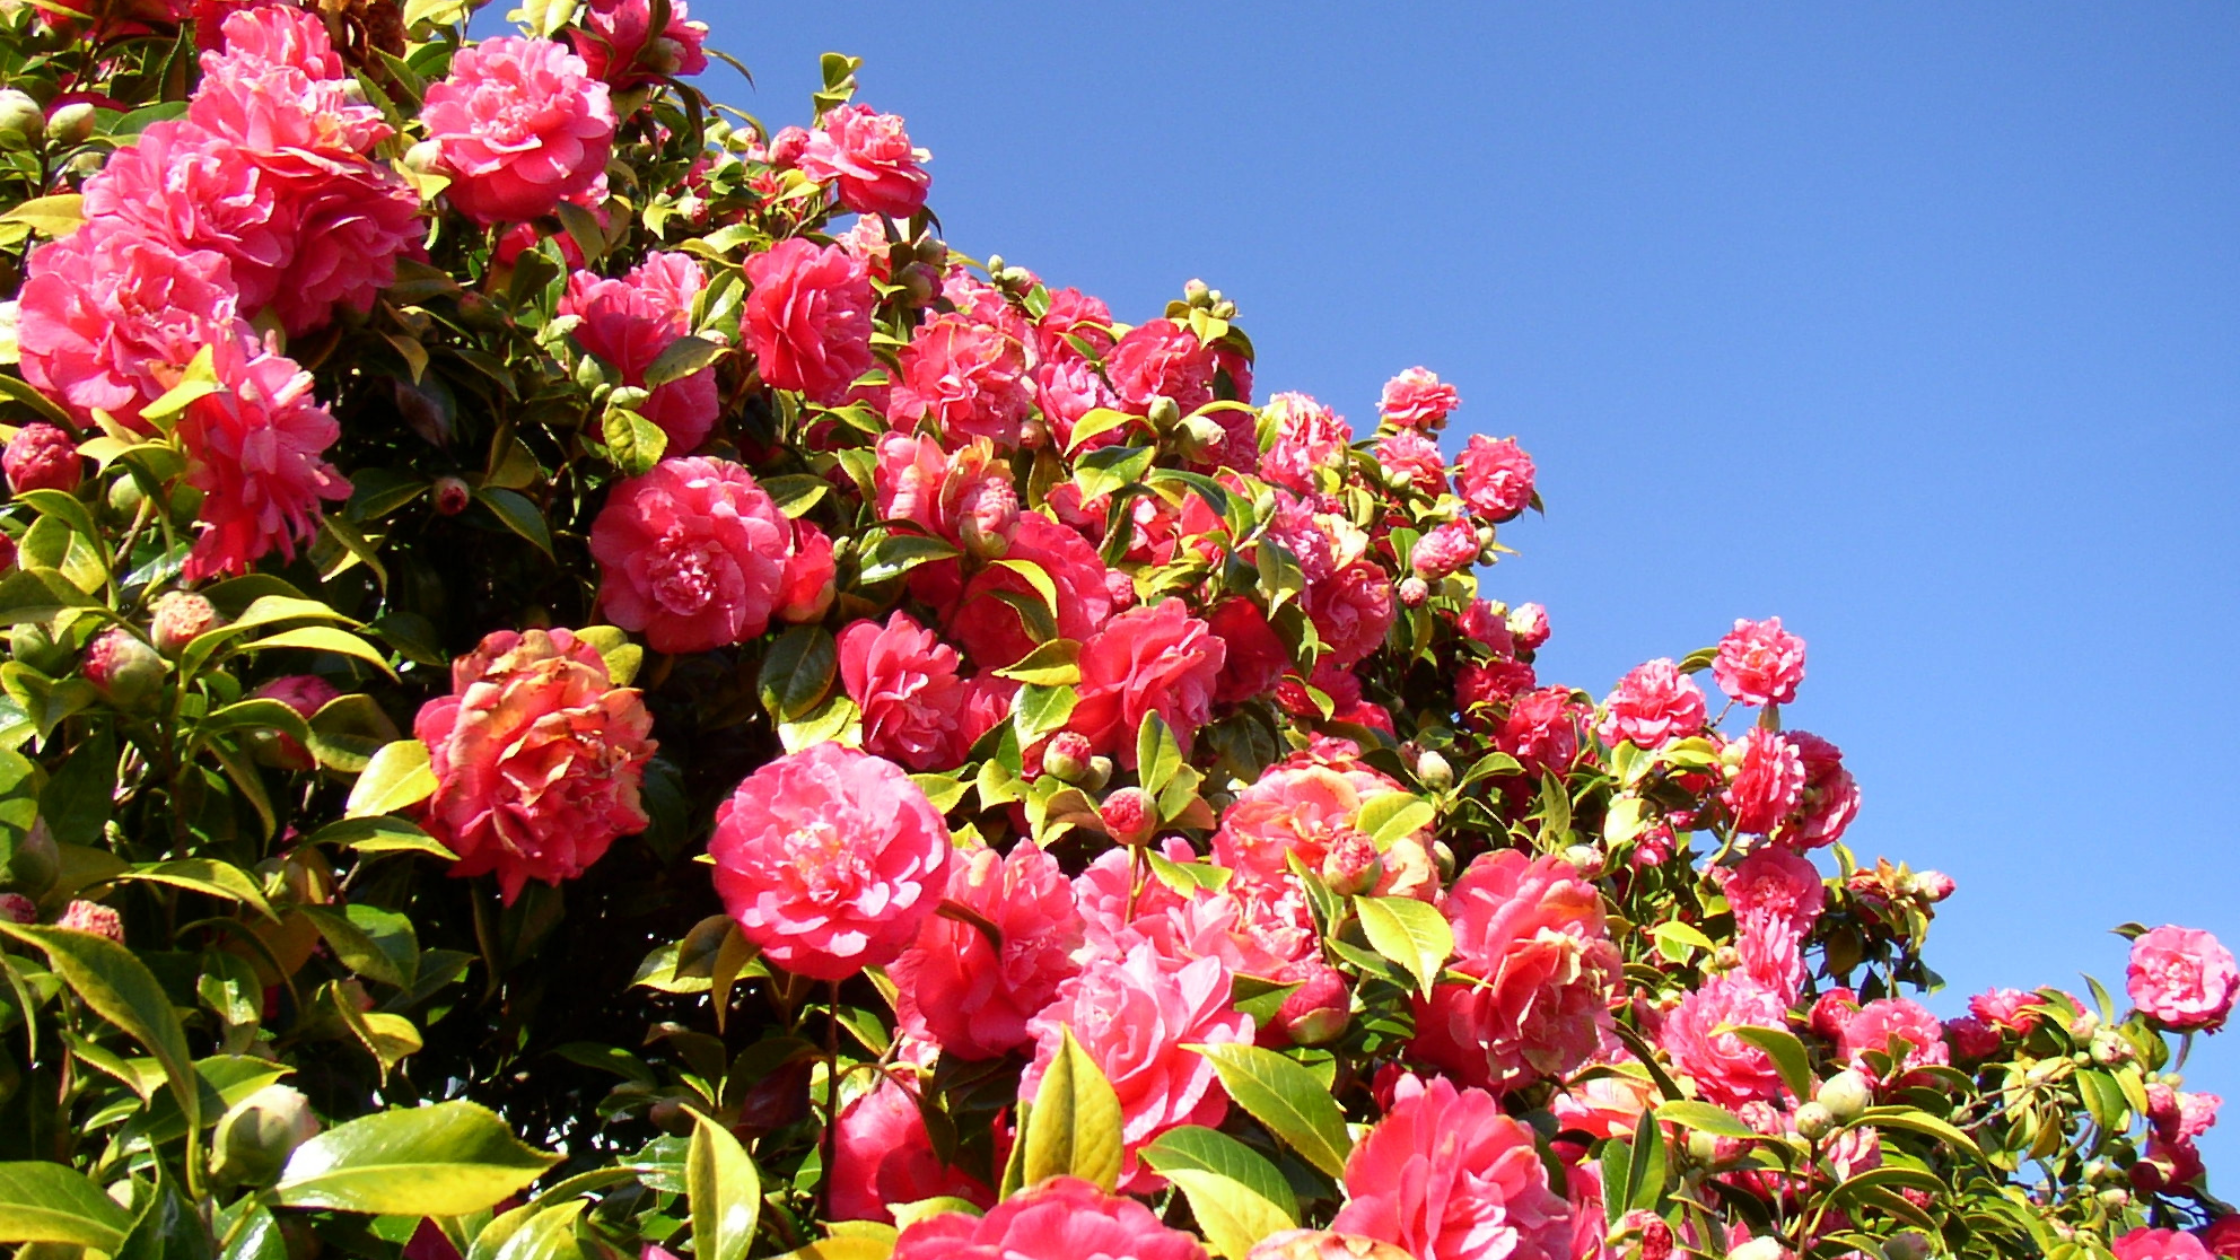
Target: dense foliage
{"x":577,"y":682}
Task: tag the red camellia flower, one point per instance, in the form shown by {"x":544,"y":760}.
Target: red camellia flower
{"x":1765,"y":780}
{"x":808,"y":319}
{"x":1446,"y":1175}
{"x":883,"y":1155}
{"x":1542,"y":729}
{"x":693,"y":554}
{"x":1416,"y":399}
{"x":1063,"y":1218}
{"x":1495,"y":478}
{"x":2182,"y":978}
{"x":973,"y":996}
{"x":628,"y":322}
{"x":620,"y":47}
{"x":868,"y":155}
{"x":1880,"y":1025}
{"x":1152,"y":659}
{"x":254,"y":449}
{"x":904,"y":679}
{"x":1418,"y":457}
{"x":2160,"y":1244}
{"x":963,"y":380}
{"x":538,"y":758}
{"x":1352,"y":610}
{"x":1760,"y":663}
{"x":830,"y":859}
{"x":1136,"y":1016}
{"x":1830,"y":799}
{"x":1534,"y":937}
{"x":521,"y":127}
{"x":1698,"y":1035}
{"x":1162,"y":359}
{"x":991,"y":631}
{"x":1654,"y":704}
{"x":42,"y":457}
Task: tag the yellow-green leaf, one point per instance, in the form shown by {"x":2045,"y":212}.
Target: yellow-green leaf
{"x":444,"y":1160}
{"x":1073,"y":1129}
{"x":1409,"y":932}
{"x":723,"y":1190}
{"x":397,"y":776}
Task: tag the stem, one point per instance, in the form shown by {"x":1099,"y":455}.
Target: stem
{"x":828,"y":1143}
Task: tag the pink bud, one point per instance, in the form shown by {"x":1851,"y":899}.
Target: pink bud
{"x":42,"y":457}
{"x":1352,"y":865}
{"x":452,"y":495}
{"x":1127,"y":816}
{"x":125,"y":670}
{"x":1528,"y":626}
{"x":807,"y":583}
{"x":1448,"y":548}
{"x":306,"y":694}
{"x":1934,"y":885}
{"x":1120,"y":589}
{"x":92,"y":916}
{"x":1067,"y":755}
{"x":17,"y":908}
{"x":1317,"y":1011}
{"x":180,"y":618}
{"x":1413,"y":591}
{"x":787,"y":147}
{"x":989,"y":515}
{"x":7,"y":551}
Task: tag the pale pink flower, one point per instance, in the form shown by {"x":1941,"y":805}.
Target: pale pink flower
{"x":2182,"y":978}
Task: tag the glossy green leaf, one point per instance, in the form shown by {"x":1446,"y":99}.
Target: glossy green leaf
{"x":448,"y":1159}
{"x":1287,"y":1098}
{"x":897,"y":554}
{"x":635,"y":443}
{"x":1409,"y":932}
{"x":1705,"y":1118}
{"x":797,"y":671}
{"x":43,"y":1202}
{"x":682,"y":358}
{"x":724,"y":1192}
{"x":1073,"y":1129}
{"x":120,"y":989}
{"x":1788,"y":1054}
{"x":1238,"y":1197}
{"x":398,"y":776}
{"x":382,"y":834}
{"x":205,"y":875}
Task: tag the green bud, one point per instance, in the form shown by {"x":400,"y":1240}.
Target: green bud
{"x":1201,"y":436}
{"x":36,"y":861}
{"x":1911,"y":1245}
{"x":424,"y":158}
{"x":1845,"y":1095}
{"x":1433,"y":771}
{"x":1763,"y":1247}
{"x":1815,"y":1122}
{"x":1195,"y":293}
{"x":1164,"y":413}
{"x":255,"y":1137}
{"x":72,"y":124}
{"x":1702,"y":1147}
{"x":21,"y":121}
{"x":1099,"y":774}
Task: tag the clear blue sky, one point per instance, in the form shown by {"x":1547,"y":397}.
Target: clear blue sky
{"x":1918,"y":325}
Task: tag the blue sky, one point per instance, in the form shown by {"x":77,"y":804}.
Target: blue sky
{"x":1917,"y":325}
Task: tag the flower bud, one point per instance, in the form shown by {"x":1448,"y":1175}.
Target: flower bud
{"x":1933,"y":886}
{"x":123,"y":668}
{"x":255,"y":1137}
{"x":1128,"y":815}
{"x":988,"y":516}
{"x":920,"y":283}
{"x":1585,"y":859}
{"x":424,"y":158}
{"x":2115,"y":1198}
{"x":21,"y":122}
{"x":1433,"y":772}
{"x":1202,"y":438}
{"x":1164,"y":413}
{"x":1911,"y":1245}
{"x":94,"y":918}
{"x":180,"y":617}
{"x":1196,"y":293}
{"x":1528,"y":626}
{"x":1412,"y":591}
{"x":1845,"y":1095}
{"x":17,"y":908}
{"x":2109,"y":1049}
{"x":7,"y":551}
{"x":1815,"y":1121}
{"x":42,"y":457}
{"x":36,"y":861}
{"x":73,"y":123}
{"x":1654,"y":1234}
{"x":452,"y":495}
{"x":1702,"y":1147}
{"x":787,"y":147}
{"x":1067,"y":756}
{"x":1100,"y":773}
{"x":1760,"y":1248}
{"x":1352,"y":865}
{"x":1317,"y":1011}
{"x":1321,"y":1244}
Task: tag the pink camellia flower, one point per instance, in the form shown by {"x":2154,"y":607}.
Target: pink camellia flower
{"x":521,"y":126}
{"x":1134,"y":1016}
{"x":2160,"y":1244}
{"x":107,"y":319}
{"x":190,"y":190}
{"x":1352,"y":610}
{"x":1410,"y":452}
{"x":1654,"y":704}
{"x":94,"y":918}
{"x":1528,"y":627}
{"x":2007,"y":1008}
{"x":306,"y":694}
{"x":991,"y":631}
{"x":538,"y":759}
{"x":1446,"y":1175}
{"x":1064,"y":1218}
{"x":830,"y":860}
{"x":1533,"y":936}
{"x":807,"y":586}
{"x":884,"y":1155}
{"x":1416,"y":399}
{"x":1776,"y":897}
{"x":1305,"y":807}
{"x":808,"y":319}
{"x":1309,"y":437}
{"x":1450,"y":547}
{"x":1831,"y":796}
{"x":620,"y":48}
{"x":1699,"y":1037}
{"x":1542,"y":729}
{"x":1880,"y":1025}
{"x":254,"y":449}
{"x":17,"y":908}
{"x":1322,"y":1244}
{"x":868,"y":155}
{"x":1495,"y":478}
{"x":1760,"y":663}
{"x":2182,"y":978}
{"x":2222,"y":1235}
{"x":42,"y":457}
{"x":1256,"y":658}
{"x":629,"y":322}
{"x":1162,"y":359}
{"x":693,"y":554}
{"x":351,"y":221}
{"x":904,"y":679}
{"x":1765,"y":780}
{"x":1155,"y":659}
{"x":278,"y":89}
{"x":962,"y":380}
{"x":972,"y":996}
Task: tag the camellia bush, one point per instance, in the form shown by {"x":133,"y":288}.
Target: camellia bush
{"x":578,"y":683}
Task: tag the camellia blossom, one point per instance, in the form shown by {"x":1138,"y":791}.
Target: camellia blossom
{"x":1881,"y":1025}
{"x":1309,"y":437}
{"x":867,"y":155}
{"x":538,"y":759}
{"x":2182,"y":978}
{"x":521,"y":126}
{"x":629,"y":322}
{"x":1776,"y":897}
{"x":1446,"y":1175}
{"x":1160,"y":358}
{"x":1830,"y":799}
{"x":972,"y":996}
{"x":1699,"y":1036}
{"x":829,"y":860}
{"x":1136,"y":1016}
{"x":42,"y":457}
{"x":1542,"y":729}
{"x":1064,"y":1218}
{"x":904,"y":679}
{"x":962,"y":380}
{"x":1534,"y":939}
{"x":883,"y":1155}
{"x":693,"y":553}
{"x":1495,"y":478}
{"x":2160,"y":1244}
{"x":808,"y":318}
{"x":1155,"y":659}
{"x":620,"y":48}
{"x":1759,"y":663}
{"x":991,"y":631}
{"x":1417,"y":399}
{"x":255,"y":448}
{"x":1654,"y":704}
{"x":1765,"y":780}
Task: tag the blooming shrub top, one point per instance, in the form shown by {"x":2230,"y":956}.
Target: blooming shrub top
{"x":536,"y":608}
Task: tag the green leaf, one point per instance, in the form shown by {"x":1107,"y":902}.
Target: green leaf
{"x":549,"y":1233}
{"x":1238,"y":1197}
{"x":1923,"y":1123}
{"x":682,"y":358}
{"x":23,"y":392}
{"x":54,"y":216}
{"x":1409,"y":932}
{"x":355,"y":946}
{"x":1705,"y":1118}
{"x":544,"y":17}
{"x":897,"y":554}
{"x":398,"y":776}
{"x":1053,"y":664}
{"x":724,"y":1191}
{"x":519,"y":514}
{"x":1288,"y":1099}
{"x":635,"y":443}
{"x":1788,"y":1055}
{"x":1392,"y":816}
{"x":121,"y":989}
{"x":444,"y":1160}
{"x":1158,"y":755}
{"x":1674,"y":939}
{"x":1038,"y":710}
{"x":326,"y":639}
{"x":380,"y":834}
{"x":797,"y":671}
{"x":1097,"y":420}
{"x":1073,"y":1128}
{"x":206,"y":875}
{"x":1100,"y":472}
{"x":200,"y":381}
{"x":43,"y":1202}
